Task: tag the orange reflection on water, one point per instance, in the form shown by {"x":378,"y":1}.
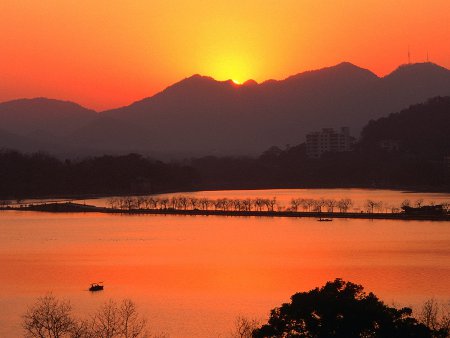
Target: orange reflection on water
{"x":203,"y":271}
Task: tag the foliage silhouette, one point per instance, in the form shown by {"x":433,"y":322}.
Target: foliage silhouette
{"x":340,"y":309}
{"x":41,"y":175}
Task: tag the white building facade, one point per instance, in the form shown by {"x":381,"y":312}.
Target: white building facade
{"x":328,"y":140}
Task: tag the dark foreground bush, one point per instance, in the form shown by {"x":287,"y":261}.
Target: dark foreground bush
{"x":341,"y":309}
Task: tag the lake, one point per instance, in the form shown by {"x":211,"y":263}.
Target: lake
{"x":193,"y":275}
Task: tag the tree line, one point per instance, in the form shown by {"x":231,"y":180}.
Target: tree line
{"x":412,"y":162}
{"x":181,"y":202}
{"x":227,"y":204}
{"x":389,"y":154}
{"x":41,"y":175}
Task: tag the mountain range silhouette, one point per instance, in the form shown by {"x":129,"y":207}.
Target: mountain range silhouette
{"x":201,"y":116}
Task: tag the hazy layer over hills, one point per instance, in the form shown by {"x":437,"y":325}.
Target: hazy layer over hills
{"x":405,"y":151}
{"x":201,"y":116}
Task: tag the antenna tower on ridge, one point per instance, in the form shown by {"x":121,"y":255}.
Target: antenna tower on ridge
{"x":409,"y":56}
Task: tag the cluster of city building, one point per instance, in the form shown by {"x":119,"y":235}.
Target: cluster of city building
{"x":328,"y":140}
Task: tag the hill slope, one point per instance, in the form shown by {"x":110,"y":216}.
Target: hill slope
{"x":202,"y":116}
{"x":25,"y":116}
{"x":420,"y":130}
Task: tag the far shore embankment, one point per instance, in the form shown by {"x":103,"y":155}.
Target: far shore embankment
{"x":69,"y":207}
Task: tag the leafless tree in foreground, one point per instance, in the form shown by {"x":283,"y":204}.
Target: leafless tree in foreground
{"x":48,"y":318}
{"x":436,"y":316}
{"x":52,"y":318}
{"x":118,"y":320}
{"x":244,"y":327}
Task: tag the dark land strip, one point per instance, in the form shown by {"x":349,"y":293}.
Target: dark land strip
{"x":76,"y":207}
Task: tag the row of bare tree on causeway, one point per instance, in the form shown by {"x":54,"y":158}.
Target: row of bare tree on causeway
{"x":226,"y":204}
{"x":182,"y":202}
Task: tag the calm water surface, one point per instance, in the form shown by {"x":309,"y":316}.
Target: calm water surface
{"x":192,"y":275}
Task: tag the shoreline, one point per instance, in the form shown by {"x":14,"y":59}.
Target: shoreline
{"x":69,"y":207}
{"x":71,"y":197}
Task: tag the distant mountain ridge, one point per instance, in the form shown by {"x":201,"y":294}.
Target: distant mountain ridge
{"x":29,"y":115}
{"x":201,"y":116}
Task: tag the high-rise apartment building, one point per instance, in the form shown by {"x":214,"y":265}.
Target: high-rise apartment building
{"x":328,"y":140}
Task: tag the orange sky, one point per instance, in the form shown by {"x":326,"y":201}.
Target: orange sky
{"x":107,"y":53}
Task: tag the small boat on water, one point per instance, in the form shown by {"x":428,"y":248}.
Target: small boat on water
{"x":96,"y":287}
{"x":324,"y":220}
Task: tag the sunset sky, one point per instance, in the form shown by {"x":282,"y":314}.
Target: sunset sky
{"x":104,"y":54}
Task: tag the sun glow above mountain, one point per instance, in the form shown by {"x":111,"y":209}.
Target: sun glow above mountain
{"x":237,"y":66}
{"x":108,"y":56}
